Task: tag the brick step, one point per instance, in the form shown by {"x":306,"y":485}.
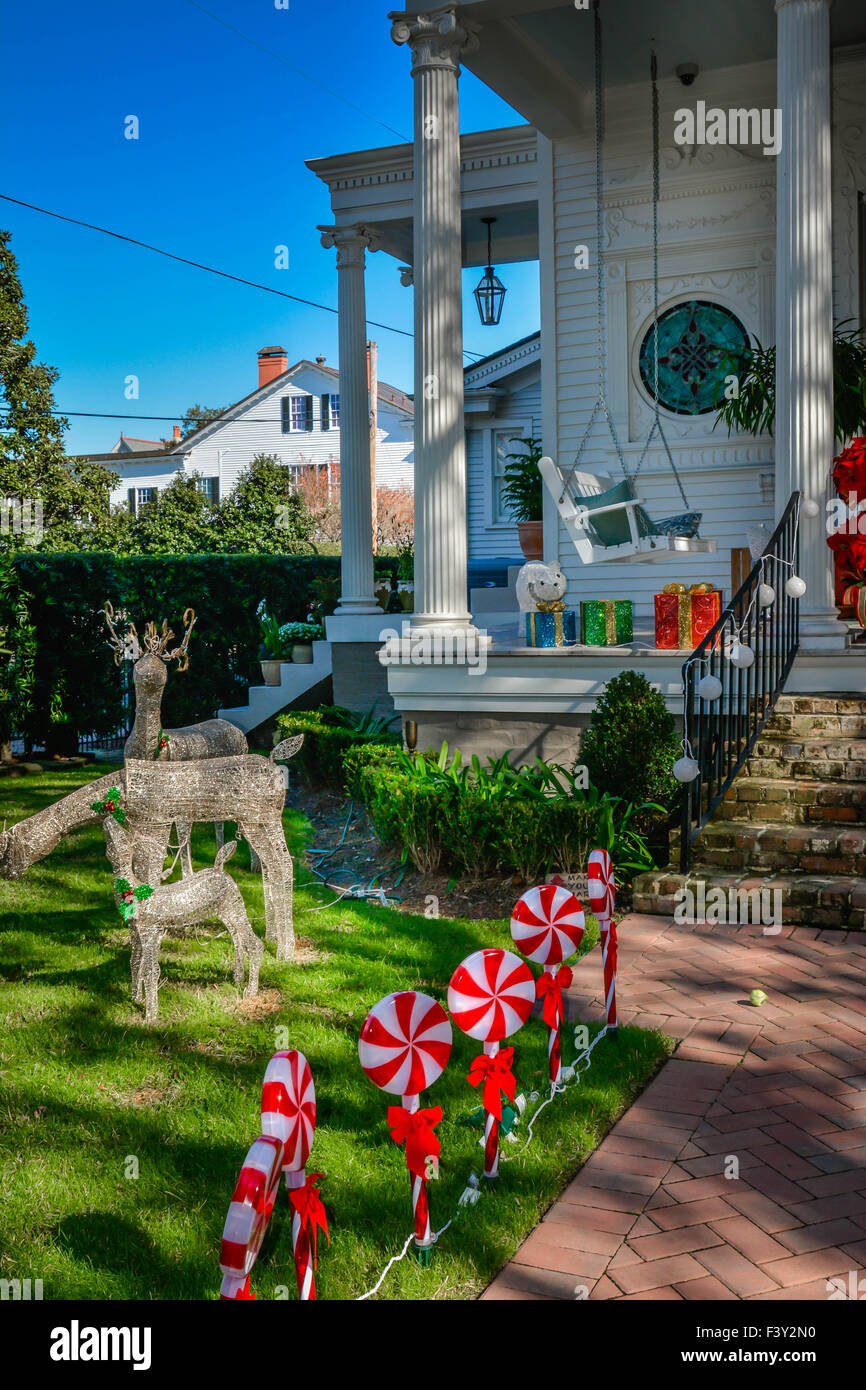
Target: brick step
{"x":795,"y":726}
{"x":794,"y":801}
{"x":759,"y":846}
{"x":830,"y":900}
{"x":822,"y":757}
{"x":830,"y":703}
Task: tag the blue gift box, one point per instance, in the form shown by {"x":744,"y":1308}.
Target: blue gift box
{"x":551,"y":629}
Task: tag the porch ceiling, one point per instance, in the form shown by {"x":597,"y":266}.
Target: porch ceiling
{"x":538,"y":54}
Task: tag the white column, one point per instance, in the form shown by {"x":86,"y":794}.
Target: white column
{"x":804,"y":301}
{"x":356,"y":502}
{"x":437,"y":40}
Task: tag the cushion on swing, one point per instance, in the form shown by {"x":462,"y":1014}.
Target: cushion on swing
{"x":612,"y":528}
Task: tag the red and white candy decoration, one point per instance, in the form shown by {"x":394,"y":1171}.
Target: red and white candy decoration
{"x":600,"y":888}
{"x":405,"y":1043}
{"x":249,"y":1213}
{"x":404,"y":1046}
{"x":547,"y":924}
{"x":289,"y":1107}
{"x":490,"y":996}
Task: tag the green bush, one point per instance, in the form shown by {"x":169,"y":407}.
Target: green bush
{"x":631,"y":745}
{"x":330,"y":735}
{"x":362,"y":755}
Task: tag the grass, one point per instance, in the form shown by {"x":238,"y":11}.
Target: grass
{"x":89,"y":1096}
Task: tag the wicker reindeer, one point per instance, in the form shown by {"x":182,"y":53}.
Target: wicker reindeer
{"x":154,"y":909}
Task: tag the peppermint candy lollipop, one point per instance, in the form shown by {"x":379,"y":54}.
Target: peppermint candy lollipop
{"x":490,"y":996}
{"x":600,"y":888}
{"x":405,"y":1043}
{"x":248,"y":1215}
{"x":404,"y":1046}
{"x":547,"y":924}
{"x":289,"y":1107}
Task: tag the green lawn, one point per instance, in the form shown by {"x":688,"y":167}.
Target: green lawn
{"x":84,"y":1086}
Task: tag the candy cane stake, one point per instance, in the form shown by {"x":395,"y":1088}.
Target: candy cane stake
{"x":491,"y":1132}
{"x":295,"y":1179}
{"x":423,"y":1243}
{"x":600,"y":886}
{"x":608,"y":961}
{"x":554,"y":1051}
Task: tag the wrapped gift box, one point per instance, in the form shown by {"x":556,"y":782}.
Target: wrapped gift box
{"x":683,"y":617}
{"x":605,"y":622}
{"x":551,"y":629}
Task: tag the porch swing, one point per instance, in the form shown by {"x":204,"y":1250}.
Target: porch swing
{"x":606,"y":520}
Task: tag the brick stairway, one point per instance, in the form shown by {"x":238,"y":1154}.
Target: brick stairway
{"x":794,"y":819}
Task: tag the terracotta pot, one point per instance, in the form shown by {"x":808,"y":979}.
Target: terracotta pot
{"x":271,"y":672}
{"x":302,"y":653}
{"x":531,"y":537}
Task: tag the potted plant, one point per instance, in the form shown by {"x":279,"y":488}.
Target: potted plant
{"x":274,"y":651}
{"x":406,"y":578}
{"x":522,"y":495}
{"x":300,"y":638}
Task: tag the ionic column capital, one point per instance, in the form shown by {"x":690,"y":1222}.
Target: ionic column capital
{"x":782,"y":4}
{"x":437,"y":40}
{"x":407,"y":275}
{"x":352,"y":243}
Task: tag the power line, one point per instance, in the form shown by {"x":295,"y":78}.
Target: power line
{"x":315,"y":80}
{"x":198,"y":265}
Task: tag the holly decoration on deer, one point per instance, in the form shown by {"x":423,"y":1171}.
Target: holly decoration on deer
{"x":128,"y":897}
{"x":111,"y":806}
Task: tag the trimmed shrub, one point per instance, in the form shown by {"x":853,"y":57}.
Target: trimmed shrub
{"x":631,"y":744}
{"x":331,"y":734}
{"x":362,"y":755}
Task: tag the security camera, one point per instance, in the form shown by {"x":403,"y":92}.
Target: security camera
{"x":687,"y":72}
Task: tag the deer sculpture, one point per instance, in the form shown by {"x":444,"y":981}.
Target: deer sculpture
{"x":212,"y":738}
{"x":154,"y":909}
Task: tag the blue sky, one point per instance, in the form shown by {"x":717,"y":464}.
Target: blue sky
{"x":217,"y":175}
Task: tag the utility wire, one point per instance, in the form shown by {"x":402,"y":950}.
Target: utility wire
{"x":315,"y":80}
{"x":198,"y":265}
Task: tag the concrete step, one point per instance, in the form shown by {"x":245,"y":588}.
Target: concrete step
{"x":295,"y":680}
{"x":795,"y":801}
{"x":731,"y":846}
{"x":814,"y":900}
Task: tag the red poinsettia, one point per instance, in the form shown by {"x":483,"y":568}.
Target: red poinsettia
{"x":849,"y":473}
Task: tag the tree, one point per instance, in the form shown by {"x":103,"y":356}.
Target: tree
{"x":180,"y":520}
{"x":197,"y":417}
{"x":17,"y":655}
{"x":395,"y":517}
{"x":33,"y":466}
{"x":265,"y":514}
{"x":320,"y":489}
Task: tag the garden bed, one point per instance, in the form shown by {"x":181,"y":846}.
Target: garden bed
{"x":90,"y":1095}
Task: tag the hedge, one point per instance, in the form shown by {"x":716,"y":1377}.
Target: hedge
{"x":75,"y":664}
{"x":331,"y":755}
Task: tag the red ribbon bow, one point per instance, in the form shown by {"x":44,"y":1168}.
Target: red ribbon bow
{"x":498,"y":1078}
{"x":414,"y":1128}
{"x":549,"y":988}
{"x":308,"y":1204}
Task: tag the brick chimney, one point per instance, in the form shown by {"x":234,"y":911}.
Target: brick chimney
{"x":176,"y":434}
{"x":272,"y":363}
{"x":320,"y":361}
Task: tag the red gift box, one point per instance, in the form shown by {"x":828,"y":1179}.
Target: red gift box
{"x":683,"y":617}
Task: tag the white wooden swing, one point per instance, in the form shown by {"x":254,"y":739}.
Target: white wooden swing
{"x":606,"y":520}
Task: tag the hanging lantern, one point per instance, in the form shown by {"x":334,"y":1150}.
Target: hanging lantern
{"x":709,"y":687}
{"x":490,"y":291}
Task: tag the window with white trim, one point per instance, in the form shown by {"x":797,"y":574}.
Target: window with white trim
{"x":334,"y":411}
{"x":505,"y":442}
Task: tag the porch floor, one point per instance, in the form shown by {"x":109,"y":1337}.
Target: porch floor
{"x":652,"y":1215}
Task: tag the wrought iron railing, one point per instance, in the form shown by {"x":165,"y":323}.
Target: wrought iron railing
{"x":722,"y":733}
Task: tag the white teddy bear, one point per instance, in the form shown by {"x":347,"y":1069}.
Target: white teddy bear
{"x":538,"y":582}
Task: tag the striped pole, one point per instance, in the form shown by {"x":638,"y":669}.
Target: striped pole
{"x":554,"y":1051}
{"x":295,"y":1179}
{"x":491,"y":1131}
{"x":608,"y":960}
{"x":420,"y":1200}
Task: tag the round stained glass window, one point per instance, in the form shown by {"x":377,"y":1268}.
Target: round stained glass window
{"x":697,"y":341}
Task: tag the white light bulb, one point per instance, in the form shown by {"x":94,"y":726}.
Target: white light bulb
{"x":709,"y":687}
{"x":742,"y":656}
{"x":809,"y":507}
{"x":766,"y":595}
{"x":795,"y":587}
{"x":685,"y":770}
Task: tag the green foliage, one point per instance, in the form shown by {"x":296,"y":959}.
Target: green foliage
{"x":64,"y":598}
{"x":522,"y":486}
{"x":179,"y":521}
{"x":631,"y":745}
{"x":330,"y":733}
{"x":198,"y":416}
{"x":753,"y":409}
{"x":18,"y":654}
{"x":530,"y":820}
{"x":302,"y":632}
{"x":324,"y":597}
{"x":264,"y":515}
{"x":361,"y":755}
{"x":33,"y":466}
{"x":274,"y":642}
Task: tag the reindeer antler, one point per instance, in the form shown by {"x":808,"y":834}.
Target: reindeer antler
{"x":126,"y":646}
{"x":156,"y":641}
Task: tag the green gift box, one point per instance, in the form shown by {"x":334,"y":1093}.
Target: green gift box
{"x":605,"y":622}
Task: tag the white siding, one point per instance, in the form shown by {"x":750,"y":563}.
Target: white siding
{"x":257,"y":429}
{"x":518,"y":414}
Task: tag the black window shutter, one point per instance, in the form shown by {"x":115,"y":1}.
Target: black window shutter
{"x":130,"y":493}
{"x":285,"y":415}
{"x":326,"y":412}
{"x":308,"y":406}
{"x":215,"y":491}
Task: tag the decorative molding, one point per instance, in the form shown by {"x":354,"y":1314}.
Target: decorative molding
{"x":407,"y":275}
{"x":437,"y":40}
{"x":352,"y":243}
{"x":507,"y":361}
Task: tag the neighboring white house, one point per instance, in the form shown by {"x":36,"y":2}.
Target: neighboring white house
{"x":502,"y":405}
{"x":294,"y":414}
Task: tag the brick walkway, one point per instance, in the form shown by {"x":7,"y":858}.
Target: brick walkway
{"x":652,"y":1215}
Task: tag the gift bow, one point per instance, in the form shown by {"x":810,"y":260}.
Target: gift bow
{"x":308,"y":1204}
{"x":550,"y":605}
{"x":692,"y":589}
{"x":497,"y":1077}
{"x":549,"y":988}
{"x":414,"y":1128}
